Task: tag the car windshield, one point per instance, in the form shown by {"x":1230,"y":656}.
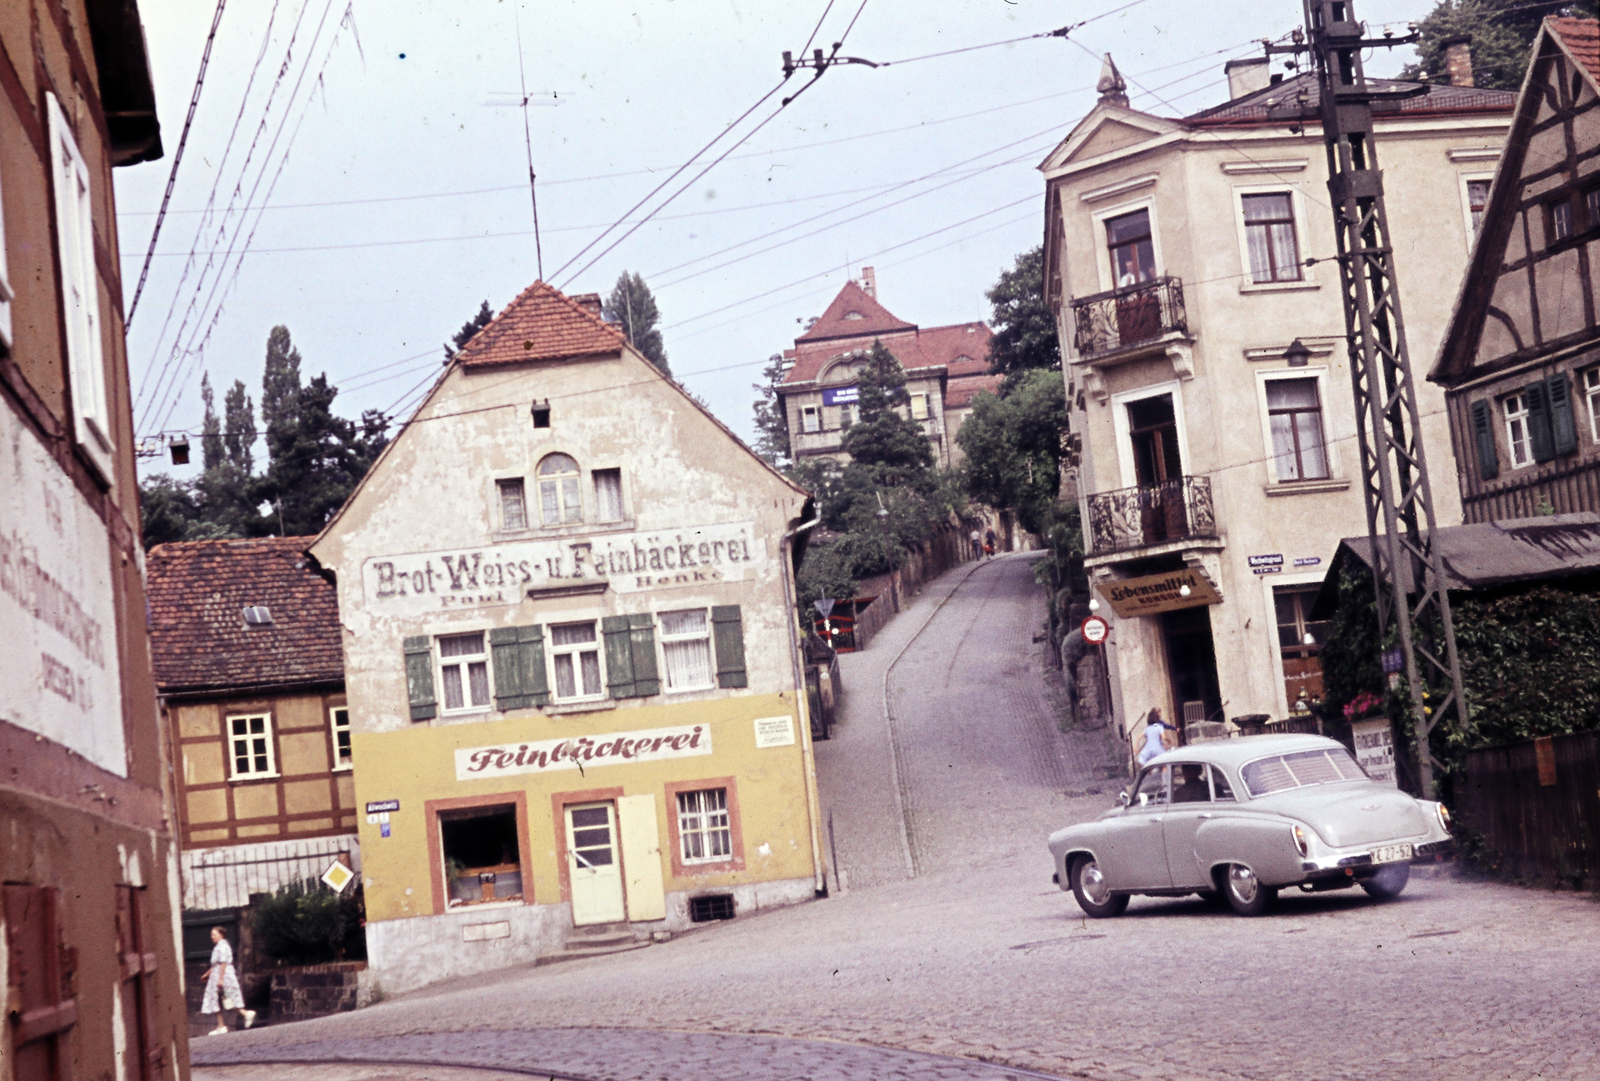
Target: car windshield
{"x":1282,"y":772}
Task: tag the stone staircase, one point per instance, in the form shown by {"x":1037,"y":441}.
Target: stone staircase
{"x":596,"y":940}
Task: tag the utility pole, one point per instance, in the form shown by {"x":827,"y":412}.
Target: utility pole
{"x":1413,"y":602}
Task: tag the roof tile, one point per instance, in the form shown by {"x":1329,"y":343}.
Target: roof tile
{"x":1279,"y":103}
{"x":1582,"y":39}
{"x":542,"y":324}
{"x":853,"y":313}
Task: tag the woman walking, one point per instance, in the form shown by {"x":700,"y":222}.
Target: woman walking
{"x":223,"y":981}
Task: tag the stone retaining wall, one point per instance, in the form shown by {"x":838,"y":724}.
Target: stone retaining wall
{"x":310,"y":991}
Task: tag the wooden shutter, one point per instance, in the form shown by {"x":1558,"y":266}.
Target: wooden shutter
{"x":1563,"y":429}
{"x":517,"y":654}
{"x":642,"y":645}
{"x":727,"y":631}
{"x":419,"y":678}
{"x":1483,"y":435}
{"x":1539,"y":435}
{"x":36,"y":1012}
{"x":619,"y":656}
{"x":138,"y":968}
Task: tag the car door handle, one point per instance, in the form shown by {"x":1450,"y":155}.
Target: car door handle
{"x":1206,"y":814}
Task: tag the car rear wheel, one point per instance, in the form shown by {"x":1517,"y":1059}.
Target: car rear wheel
{"x":1245,"y":892}
{"x":1388,"y":882}
{"x":1094,"y":895}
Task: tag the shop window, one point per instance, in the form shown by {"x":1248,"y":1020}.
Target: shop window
{"x":560,"y":498}
{"x":1300,"y":640}
{"x":463,"y":672}
{"x":1294,"y":415}
{"x":1269,"y":231}
{"x":513,"y":504}
{"x":482,"y":855}
{"x":704,"y":833}
{"x":1132,"y":248}
{"x":608,"y":495}
{"x":575,"y":657}
{"x":250,"y":750}
{"x":339,"y":725}
{"x":686,"y":649}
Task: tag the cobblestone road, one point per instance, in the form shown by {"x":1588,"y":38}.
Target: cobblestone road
{"x":979,"y":956}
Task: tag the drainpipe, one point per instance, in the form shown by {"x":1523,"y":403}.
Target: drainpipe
{"x":813,"y":814}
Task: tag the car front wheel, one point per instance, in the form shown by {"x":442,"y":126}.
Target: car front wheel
{"x":1388,"y":882}
{"x":1094,"y":895}
{"x":1245,"y":892}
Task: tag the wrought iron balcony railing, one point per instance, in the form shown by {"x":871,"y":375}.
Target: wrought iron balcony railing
{"x":1130,"y":518}
{"x":1134,"y":315}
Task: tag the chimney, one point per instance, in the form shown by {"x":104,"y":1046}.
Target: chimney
{"x":1458,"y":60}
{"x":869,"y":282}
{"x":1247,"y":76}
{"x":1112,"y":88}
{"x":589,"y":302}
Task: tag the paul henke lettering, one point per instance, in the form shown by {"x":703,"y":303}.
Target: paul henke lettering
{"x":585,"y":752}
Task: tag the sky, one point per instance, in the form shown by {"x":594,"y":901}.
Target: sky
{"x":357,"y":170}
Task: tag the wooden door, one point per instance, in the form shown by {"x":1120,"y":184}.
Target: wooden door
{"x":593,"y":864}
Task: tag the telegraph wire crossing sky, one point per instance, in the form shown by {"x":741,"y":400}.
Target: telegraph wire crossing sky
{"x":360,"y":173}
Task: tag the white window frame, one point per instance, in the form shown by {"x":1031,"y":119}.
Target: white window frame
{"x":462,"y":662}
{"x":922,"y":398}
{"x":663,"y":640}
{"x":1466,"y":179}
{"x":600,"y":510}
{"x":1103,"y":251}
{"x":266,"y":734}
{"x":597,"y":646}
{"x":1511,"y":419}
{"x":80,"y":290}
{"x":336,"y":725}
{"x":1119,"y":422}
{"x":1297,"y":207}
{"x":1269,"y":621}
{"x":1591,"y":397}
{"x":702,"y":823}
{"x":810,"y":419}
{"x":521,"y":487}
{"x":560,"y":481}
{"x":1330,"y":437}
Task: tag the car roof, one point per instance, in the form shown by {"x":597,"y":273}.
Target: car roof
{"x":1235,"y":752}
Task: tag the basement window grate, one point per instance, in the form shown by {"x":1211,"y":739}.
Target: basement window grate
{"x":716,"y":906}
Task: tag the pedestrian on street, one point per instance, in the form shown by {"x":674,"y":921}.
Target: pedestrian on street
{"x":1155,"y":729}
{"x":977,"y":544}
{"x":988,"y":543}
{"x":222,"y":981}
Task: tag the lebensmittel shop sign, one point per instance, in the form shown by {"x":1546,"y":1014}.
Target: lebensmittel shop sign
{"x":502,"y":574}
{"x":1156,"y":593}
{"x":586,"y":752}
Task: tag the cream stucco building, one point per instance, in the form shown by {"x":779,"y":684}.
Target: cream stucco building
{"x":1219,"y":468}
{"x":571,"y":659}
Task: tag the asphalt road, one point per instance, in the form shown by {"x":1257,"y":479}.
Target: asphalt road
{"x":952,"y":955}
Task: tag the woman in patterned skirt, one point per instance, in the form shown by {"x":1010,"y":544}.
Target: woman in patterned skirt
{"x":223,"y":981}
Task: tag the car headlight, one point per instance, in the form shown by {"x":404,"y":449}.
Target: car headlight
{"x":1444,"y":816}
{"x":1300,"y":840}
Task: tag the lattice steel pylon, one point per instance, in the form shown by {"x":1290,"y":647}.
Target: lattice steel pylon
{"x":1413,"y":602}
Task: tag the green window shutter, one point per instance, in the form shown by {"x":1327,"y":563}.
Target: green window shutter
{"x":512,"y":670}
{"x":619,"y":656}
{"x":419,"y":678}
{"x":1483,"y":435}
{"x":1563,"y":429}
{"x":535,"y":680}
{"x":727,"y":631}
{"x":1539,"y":434}
{"x":642,"y":646}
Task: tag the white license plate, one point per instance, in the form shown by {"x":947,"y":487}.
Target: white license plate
{"x":1391,"y":853}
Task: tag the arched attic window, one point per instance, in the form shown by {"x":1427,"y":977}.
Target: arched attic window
{"x":560,"y":494}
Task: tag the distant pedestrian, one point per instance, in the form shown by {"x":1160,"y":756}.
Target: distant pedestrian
{"x":223,"y":982}
{"x":1155,"y":730}
{"x":977,"y":544}
{"x":988,"y":542}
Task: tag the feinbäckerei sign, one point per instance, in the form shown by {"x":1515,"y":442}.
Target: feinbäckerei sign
{"x":585,"y":752}
{"x":1156,"y":593}
{"x":504,"y":573}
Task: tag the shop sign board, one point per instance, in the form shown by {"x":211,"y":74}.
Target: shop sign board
{"x":841,"y":395}
{"x":1156,"y":593}
{"x":774,"y":731}
{"x":582,"y":752}
{"x":1375,"y":748}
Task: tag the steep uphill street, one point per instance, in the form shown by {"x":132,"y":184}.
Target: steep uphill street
{"x":952,"y":941}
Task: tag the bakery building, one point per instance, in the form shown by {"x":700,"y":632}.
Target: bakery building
{"x":566,"y":594}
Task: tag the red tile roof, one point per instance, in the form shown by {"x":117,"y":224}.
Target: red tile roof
{"x":852,"y":314}
{"x":198,"y":591}
{"x":1582,"y":39}
{"x":542,"y":324}
{"x":962,"y":348}
{"x":958,"y":393}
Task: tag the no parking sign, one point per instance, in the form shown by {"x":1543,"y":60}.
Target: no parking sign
{"x":1095,"y":630}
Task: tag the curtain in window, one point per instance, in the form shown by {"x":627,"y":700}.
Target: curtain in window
{"x":689,"y":657}
{"x":577,"y":670}
{"x":1295,"y":418}
{"x":608,"y":494}
{"x":703,"y":824}
{"x":1269,"y":234}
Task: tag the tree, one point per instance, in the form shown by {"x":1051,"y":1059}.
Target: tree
{"x":1013,"y":447}
{"x":772,"y":424}
{"x":633,"y":306}
{"x":468,"y":329}
{"x":1025,"y":331}
{"x":892,"y":446}
{"x":1501,"y":32}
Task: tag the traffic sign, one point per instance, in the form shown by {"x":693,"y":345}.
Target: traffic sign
{"x":1095,"y":630}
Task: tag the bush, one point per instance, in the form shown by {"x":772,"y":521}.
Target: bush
{"x":308,"y":924}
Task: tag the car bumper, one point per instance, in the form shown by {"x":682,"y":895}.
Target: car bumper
{"x":1360,"y":864}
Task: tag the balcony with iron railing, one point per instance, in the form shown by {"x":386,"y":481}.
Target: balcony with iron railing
{"x":1121,"y":323}
{"x":1130,"y":519}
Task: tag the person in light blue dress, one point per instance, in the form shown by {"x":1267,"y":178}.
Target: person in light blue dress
{"x":222,"y":983}
{"x":1154,"y":729}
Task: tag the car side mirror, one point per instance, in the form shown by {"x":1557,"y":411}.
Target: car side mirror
{"x":1123,"y":799}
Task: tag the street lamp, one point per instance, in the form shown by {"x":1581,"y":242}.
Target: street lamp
{"x":1297,"y":354}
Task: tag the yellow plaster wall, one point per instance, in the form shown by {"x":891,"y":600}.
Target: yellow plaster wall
{"x":255,"y":801}
{"x":203,"y":763}
{"x":210,"y":805}
{"x":300,"y":797}
{"x":198,"y":721}
{"x":306,"y":752}
{"x":418,"y":764}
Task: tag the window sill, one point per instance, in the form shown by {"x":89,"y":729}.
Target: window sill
{"x":557,"y":709}
{"x":479,"y":906}
{"x":254,"y":777}
{"x":344,"y":769}
{"x":1278,"y":287}
{"x":1307,"y":487}
{"x":571,"y":529}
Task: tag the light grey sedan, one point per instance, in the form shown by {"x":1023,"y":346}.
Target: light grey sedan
{"x":1242,"y":818}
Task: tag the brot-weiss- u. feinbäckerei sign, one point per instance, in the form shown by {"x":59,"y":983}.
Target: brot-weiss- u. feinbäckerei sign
{"x":612,"y":749}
